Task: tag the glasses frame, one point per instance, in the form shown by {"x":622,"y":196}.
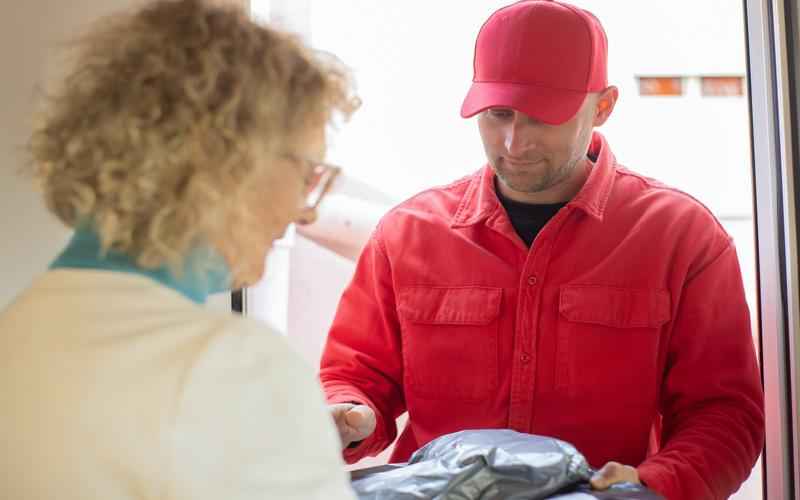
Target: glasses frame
{"x":318,"y":181}
{"x":326,"y":174}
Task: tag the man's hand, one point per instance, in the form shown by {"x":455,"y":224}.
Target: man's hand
{"x":354,"y":422}
{"x":611,"y":473}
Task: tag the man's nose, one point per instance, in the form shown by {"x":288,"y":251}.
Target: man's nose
{"x":518,"y":138}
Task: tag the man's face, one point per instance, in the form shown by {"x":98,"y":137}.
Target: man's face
{"x":529,"y":156}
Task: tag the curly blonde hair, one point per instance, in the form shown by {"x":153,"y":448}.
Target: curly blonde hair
{"x":148,"y":136}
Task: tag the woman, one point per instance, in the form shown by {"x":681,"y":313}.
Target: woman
{"x":180,"y":147}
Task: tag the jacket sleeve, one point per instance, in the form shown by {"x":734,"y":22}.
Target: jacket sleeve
{"x":362,"y":361}
{"x":711,"y":400}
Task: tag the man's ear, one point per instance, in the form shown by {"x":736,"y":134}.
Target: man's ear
{"x":606,"y":101}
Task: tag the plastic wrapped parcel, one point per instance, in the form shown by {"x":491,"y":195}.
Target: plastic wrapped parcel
{"x":491,"y":464}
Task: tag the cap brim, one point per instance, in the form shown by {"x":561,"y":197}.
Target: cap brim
{"x":551,"y":106}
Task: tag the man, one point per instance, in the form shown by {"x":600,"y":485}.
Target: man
{"x":553,"y":292}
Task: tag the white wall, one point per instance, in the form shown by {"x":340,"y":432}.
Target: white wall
{"x":30,"y":33}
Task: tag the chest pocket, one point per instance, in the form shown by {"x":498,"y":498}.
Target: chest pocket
{"x":449,"y":340}
{"x":608,"y":340}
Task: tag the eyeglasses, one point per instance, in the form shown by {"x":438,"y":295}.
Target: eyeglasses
{"x":318,"y":181}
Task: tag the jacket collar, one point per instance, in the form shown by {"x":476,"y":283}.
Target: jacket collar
{"x":480,"y":199}
{"x":204,"y":272}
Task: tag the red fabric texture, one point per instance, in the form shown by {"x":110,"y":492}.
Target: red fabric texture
{"x":623,"y":330}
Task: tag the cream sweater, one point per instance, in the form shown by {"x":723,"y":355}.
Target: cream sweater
{"x":115,"y":387}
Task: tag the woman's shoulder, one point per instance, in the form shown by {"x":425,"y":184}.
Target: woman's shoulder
{"x":245,"y":343}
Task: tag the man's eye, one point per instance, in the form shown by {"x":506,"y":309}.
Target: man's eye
{"x":500,"y":113}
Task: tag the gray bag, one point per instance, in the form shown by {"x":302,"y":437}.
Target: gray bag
{"x":489,"y":464}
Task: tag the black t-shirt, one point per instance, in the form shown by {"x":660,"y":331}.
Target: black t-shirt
{"x":529,"y":219}
{"x":526,"y":218}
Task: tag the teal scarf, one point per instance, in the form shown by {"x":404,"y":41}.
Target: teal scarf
{"x":204,"y":271}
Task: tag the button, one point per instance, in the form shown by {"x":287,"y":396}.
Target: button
{"x":532,"y":280}
{"x":525,"y":358}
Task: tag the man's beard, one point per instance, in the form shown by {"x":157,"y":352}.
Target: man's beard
{"x":536,"y":184}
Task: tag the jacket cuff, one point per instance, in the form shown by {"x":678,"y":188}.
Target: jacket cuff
{"x":655,"y":477}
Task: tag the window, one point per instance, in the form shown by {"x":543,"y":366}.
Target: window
{"x":660,"y":86}
{"x":722,"y":86}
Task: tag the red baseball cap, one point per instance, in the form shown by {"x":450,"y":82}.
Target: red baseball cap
{"x":540,"y":57}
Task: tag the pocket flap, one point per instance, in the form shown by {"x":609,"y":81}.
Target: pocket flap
{"x":615,"y":307}
{"x":449,"y":305}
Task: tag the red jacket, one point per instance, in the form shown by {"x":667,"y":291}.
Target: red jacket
{"x":626,"y":316}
